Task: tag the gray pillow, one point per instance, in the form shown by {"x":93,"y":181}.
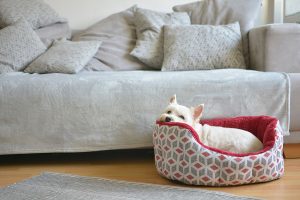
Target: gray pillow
{"x":149,"y":24}
{"x":202,"y":47}
{"x":53,"y":32}
{"x":220,"y":12}
{"x":19,"y":45}
{"x":118,"y":35}
{"x":36,"y":12}
{"x":64,"y":57}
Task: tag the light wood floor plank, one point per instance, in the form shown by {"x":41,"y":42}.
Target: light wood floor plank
{"x":292,"y":150}
{"x":134,"y":165}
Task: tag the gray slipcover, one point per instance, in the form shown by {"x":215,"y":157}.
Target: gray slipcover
{"x":93,"y":111}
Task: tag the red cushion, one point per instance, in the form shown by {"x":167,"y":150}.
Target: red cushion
{"x":263,"y":127}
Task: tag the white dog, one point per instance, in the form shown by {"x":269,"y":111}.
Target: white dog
{"x":228,"y":139}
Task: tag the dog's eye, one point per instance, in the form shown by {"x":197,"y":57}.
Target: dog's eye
{"x":169,"y":112}
{"x":181,"y":116}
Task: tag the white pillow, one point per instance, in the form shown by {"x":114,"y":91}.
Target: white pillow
{"x":19,"y":46}
{"x":201,"y":47}
{"x":220,"y":12}
{"x":64,"y":57}
{"x":149,"y":24}
{"x":36,"y":12}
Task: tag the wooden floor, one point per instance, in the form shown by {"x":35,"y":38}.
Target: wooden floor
{"x":134,"y":165}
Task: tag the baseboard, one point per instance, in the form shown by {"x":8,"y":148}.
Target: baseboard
{"x":291,"y":150}
{"x":291,"y":145}
{"x":294,"y":137}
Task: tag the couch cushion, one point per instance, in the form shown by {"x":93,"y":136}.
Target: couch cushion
{"x":96,"y":65}
{"x":19,"y":45}
{"x":118,"y":35}
{"x":36,"y":12}
{"x":218,"y":12}
{"x":200,"y":47}
{"x":149,"y":47}
{"x":275,"y":47}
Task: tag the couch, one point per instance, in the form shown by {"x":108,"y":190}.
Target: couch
{"x":92,"y":111}
{"x":275,"y":48}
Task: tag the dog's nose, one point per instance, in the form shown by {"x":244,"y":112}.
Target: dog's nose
{"x":168,"y":119}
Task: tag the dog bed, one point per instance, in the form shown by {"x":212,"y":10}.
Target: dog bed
{"x":180,"y":155}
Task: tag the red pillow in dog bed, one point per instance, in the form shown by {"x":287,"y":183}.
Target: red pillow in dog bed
{"x":180,"y":156}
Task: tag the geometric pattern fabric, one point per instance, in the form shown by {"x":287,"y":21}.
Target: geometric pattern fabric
{"x":202,"y":47}
{"x":178,"y":156}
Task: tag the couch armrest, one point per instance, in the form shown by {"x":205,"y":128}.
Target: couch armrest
{"x":275,"y":47}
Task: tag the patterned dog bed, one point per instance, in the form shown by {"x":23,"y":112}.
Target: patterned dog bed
{"x":180,"y":155}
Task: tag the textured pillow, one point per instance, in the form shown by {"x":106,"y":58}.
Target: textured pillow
{"x":64,"y":57}
{"x":118,"y":35}
{"x":220,"y":12}
{"x":36,"y":12}
{"x":53,"y":32}
{"x":200,"y":47}
{"x":19,"y":45}
{"x":149,"y":24}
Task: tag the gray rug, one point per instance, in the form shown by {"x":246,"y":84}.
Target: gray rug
{"x":70,"y":187}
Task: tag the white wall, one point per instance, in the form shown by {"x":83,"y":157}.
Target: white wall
{"x":83,"y":13}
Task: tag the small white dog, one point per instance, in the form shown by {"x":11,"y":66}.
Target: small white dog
{"x":228,"y":139}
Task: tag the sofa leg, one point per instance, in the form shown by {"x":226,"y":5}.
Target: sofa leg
{"x":291,"y":150}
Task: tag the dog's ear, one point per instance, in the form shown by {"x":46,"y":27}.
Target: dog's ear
{"x":173,"y":99}
{"x":198,"y":112}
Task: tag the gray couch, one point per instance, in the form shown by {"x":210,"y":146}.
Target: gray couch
{"x":276,"y":48}
{"x":93,"y":111}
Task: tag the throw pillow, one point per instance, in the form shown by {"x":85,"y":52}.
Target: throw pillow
{"x":36,"y":12}
{"x":64,"y":57}
{"x":53,"y":32}
{"x":19,"y":45}
{"x":220,"y":12}
{"x":201,"y":47}
{"x":149,"y":24}
{"x":118,"y":35}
